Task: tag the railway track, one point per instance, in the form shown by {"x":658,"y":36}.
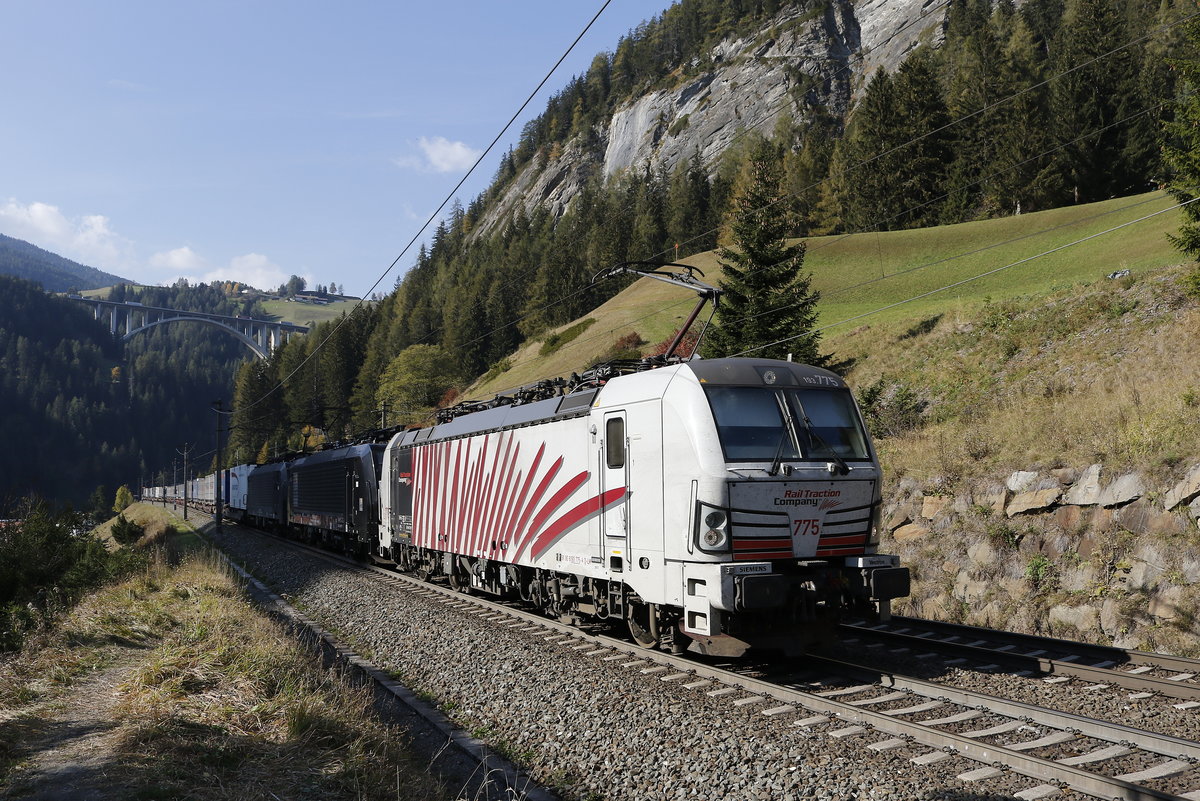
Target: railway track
{"x":1025,"y":654}
{"x":1057,"y":751}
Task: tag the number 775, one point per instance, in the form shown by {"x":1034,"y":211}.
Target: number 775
{"x":806,"y":528}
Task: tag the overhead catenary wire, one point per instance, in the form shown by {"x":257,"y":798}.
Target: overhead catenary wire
{"x":433,"y":216}
{"x":894,"y":149}
{"x":983,"y":179}
{"x":710,"y":231}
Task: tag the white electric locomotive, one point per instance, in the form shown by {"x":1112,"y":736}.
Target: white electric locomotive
{"x":719,"y":504}
{"x":713,"y":505}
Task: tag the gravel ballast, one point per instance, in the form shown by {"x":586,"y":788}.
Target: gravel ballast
{"x":591,"y":728}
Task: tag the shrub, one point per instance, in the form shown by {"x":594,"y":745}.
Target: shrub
{"x":48,"y":561}
{"x":1191,"y":283}
{"x":124,"y":499}
{"x":686,"y":346}
{"x":891,"y":408}
{"x":125,"y":531}
{"x":1040,"y":571}
{"x":625,"y":347}
{"x":553,"y":342}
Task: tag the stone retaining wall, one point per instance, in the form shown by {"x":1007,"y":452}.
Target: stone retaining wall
{"x":1068,"y":552}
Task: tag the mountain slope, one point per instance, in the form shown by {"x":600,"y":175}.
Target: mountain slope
{"x":809,"y":60}
{"x":20,"y":259}
{"x":865,"y":273}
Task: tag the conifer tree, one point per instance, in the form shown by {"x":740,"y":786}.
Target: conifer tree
{"x":1095,"y":76}
{"x":767,"y":295}
{"x":1182,"y":150}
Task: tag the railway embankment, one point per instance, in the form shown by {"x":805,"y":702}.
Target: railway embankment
{"x":1072,"y":552}
{"x":171,"y":684}
{"x":1041,"y":458}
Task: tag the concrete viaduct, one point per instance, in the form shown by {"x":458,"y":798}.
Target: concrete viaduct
{"x":129,"y":319}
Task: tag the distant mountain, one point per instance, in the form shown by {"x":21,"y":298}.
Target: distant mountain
{"x":53,"y":272}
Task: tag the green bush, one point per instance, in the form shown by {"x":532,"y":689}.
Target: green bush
{"x":891,"y":408}
{"x":48,"y":561}
{"x":123,"y":500}
{"x":555,"y":341}
{"x":1191,"y":283}
{"x":125,"y":531}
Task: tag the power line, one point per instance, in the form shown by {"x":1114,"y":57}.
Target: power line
{"x":441,"y":206}
{"x":524,"y":275}
{"x":895,"y":149}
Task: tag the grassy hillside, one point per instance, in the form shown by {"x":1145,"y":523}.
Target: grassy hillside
{"x":307,"y":313}
{"x":862,"y":274}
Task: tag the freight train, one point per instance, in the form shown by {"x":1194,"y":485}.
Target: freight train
{"x":715,"y":505}
{"x":712,"y":505}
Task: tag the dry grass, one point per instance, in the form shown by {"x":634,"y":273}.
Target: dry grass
{"x":1098,"y":372}
{"x":156,"y":520}
{"x":221,"y":702}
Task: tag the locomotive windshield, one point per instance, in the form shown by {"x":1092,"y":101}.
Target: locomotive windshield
{"x":764,"y":424}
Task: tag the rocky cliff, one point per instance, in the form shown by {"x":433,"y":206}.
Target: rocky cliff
{"x":806,"y":59}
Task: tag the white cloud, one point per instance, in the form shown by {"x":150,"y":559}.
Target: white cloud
{"x":182,"y":261}
{"x":88,"y":239}
{"x":439,"y":154}
{"x":254,"y":269}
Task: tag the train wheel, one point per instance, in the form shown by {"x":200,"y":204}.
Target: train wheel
{"x":643,"y":624}
{"x":459,"y":580}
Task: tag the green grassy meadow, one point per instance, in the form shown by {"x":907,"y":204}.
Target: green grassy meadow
{"x":878,"y":279}
{"x":306,"y":313}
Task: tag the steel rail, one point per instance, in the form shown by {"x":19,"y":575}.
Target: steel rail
{"x":1043,"y":770}
{"x":1128,"y":656}
{"x":1093,"y":673}
{"x":1117,"y":733}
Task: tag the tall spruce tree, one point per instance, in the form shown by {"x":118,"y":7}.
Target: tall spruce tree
{"x":1182,"y":150}
{"x":767,"y":295}
{"x":1096,"y":74}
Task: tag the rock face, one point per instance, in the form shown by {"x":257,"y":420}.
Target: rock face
{"x":1086,"y":490}
{"x":1128,"y":487}
{"x":800,"y":61}
{"x":1032,"y":501}
{"x":1185,"y":491}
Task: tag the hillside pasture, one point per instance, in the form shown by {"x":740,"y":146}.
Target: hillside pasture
{"x":885,"y":279}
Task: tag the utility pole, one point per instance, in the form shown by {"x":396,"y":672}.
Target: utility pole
{"x":174,"y":481}
{"x":220,"y":471}
{"x":186,"y":450}
{"x":383,"y":410}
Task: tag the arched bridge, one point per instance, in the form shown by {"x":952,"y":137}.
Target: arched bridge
{"x":129,"y":319}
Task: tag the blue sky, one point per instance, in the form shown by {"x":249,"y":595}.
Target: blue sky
{"x":253,"y":140}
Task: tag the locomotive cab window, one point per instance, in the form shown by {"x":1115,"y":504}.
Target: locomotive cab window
{"x":614,"y":441}
{"x":762,"y":424}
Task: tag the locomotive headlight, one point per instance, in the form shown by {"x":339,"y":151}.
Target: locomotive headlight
{"x":712,"y":529}
{"x":714,"y":539}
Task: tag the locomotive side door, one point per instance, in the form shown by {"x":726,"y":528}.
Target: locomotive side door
{"x":614,"y":475}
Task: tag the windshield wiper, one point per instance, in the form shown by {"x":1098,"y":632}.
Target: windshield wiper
{"x":777,"y":462}
{"x":843,"y":468}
